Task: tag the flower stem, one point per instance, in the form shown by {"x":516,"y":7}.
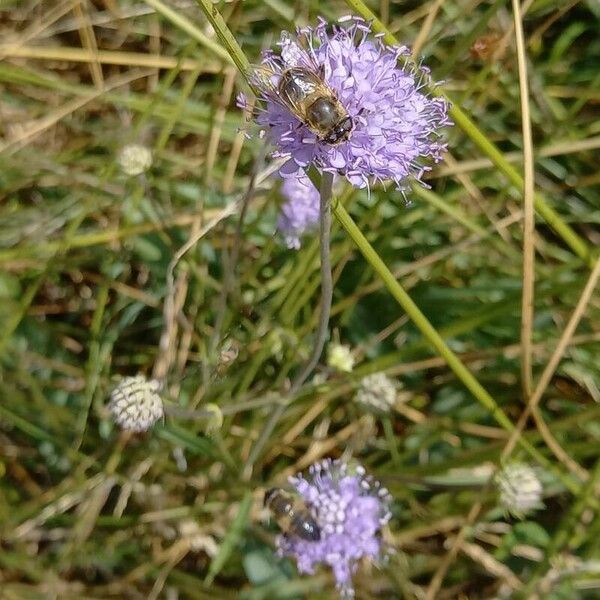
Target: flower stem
{"x":326,"y":281}
{"x":322,"y":328}
{"x":225,"y":36}
{"x":229,"y":281}
{"x":436,"y":340}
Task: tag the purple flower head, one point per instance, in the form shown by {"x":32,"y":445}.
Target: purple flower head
{"x":350,"y":509}
{"x":300,"y":212}
{"x":395,"y":124}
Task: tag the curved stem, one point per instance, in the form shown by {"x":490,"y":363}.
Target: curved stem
{"x":326,"y":282}
{"x":321,"y":334}
{"x":230,"y":266}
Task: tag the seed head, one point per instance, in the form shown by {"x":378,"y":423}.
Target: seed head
{"x":135,"y":403}
{"x":377,"y":392}
{"x":134,"y":159}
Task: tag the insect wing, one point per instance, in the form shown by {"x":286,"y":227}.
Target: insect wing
{"x":266,"y":81}
{"x":299,"y":84}
{"x":293,"y":54}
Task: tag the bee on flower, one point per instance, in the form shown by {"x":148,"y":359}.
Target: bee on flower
{"x":338,"y":98}
{"x":348,"y":509}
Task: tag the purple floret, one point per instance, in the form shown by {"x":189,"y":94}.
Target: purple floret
{"x":300,"y":212}
{"x":396,"y":125}
{"x":350,"y":509}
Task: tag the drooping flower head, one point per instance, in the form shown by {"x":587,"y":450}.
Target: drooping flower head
{"x":300,"y":212}
{"x":396,"y":126}
{"x":350,"y":509}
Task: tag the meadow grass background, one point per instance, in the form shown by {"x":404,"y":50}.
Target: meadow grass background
{"x":90,"y":293}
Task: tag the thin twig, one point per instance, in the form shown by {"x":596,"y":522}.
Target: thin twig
{"x":528,"y":210}
{"x":438,"y":577}
{"x":38,"y":26}
{"x":321,"y":334}
{"x":557,"y":149}
{"x":38,"y":126}
{"x":108,"y":57}
{"x":170,"y":309}
{"x":555,"y":447}
{"x":217,"y":128}
{"x":88,"y":40}
{"x":191,"y":29}
{"x":564,"y":341}
{"x":426,"y":28}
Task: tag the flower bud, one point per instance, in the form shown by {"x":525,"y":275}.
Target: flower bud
{"x":214,"y":420}
{"x":340,"y":358}
{"x":519,"y":488}
{"x":134,"y":159}
{"x":377,"y":392}
{"x":135,"y":403}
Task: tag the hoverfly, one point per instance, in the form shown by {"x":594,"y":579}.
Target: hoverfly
{"x":301,"y":89}
{"x":292,"y":515}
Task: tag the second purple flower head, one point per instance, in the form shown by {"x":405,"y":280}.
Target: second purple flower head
{"x":300,"y":212}
{"x":350,"y":509}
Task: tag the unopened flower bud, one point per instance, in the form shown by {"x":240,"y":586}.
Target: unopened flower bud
{"x":214,"y":420}
{"x":340,"y":358}
{"x":134,"y":159}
